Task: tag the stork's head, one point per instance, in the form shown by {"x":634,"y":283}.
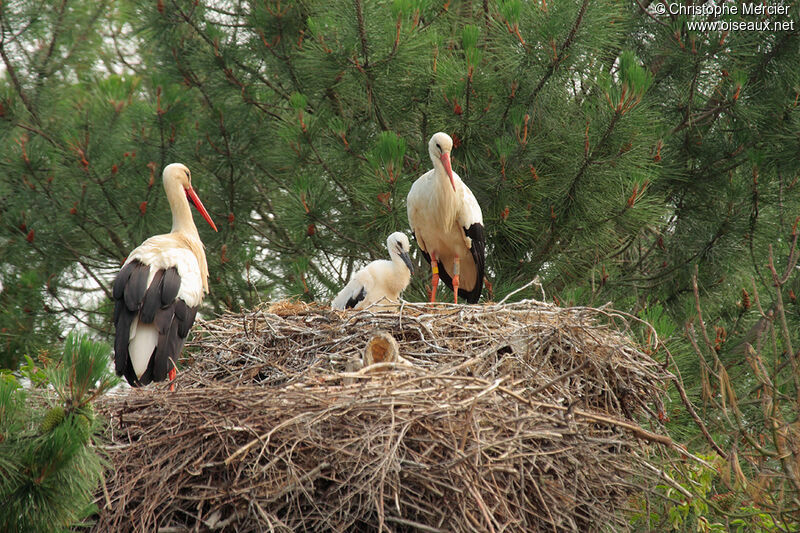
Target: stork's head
{"x":398,"y":246}
{"x":439,"y":148}
{"x":178,"y":173}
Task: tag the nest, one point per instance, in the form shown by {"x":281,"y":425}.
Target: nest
{"x":517,"y":417}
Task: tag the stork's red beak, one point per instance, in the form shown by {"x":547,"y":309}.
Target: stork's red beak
{"x":191,"y":195}
{"x":447,"y":168}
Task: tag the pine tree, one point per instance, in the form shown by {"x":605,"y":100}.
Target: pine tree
{"x":84,"y":140}
{"x":333,"y":104}
{"x":49,"y":467}
{"x":306,"y":125}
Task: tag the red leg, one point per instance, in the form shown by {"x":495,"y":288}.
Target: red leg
{"x":456,"y":277}
{"x":173,"y":372}
{"x":435,"y":277}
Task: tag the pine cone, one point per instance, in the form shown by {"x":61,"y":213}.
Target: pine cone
{"x":84,"y":427}
{"x":52,"y":419}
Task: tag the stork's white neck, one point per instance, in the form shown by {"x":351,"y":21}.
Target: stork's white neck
{"x":181,"y":211}
{"x":445,"y":197}
{"x":396,"y":259}
{"x":401,"y":274}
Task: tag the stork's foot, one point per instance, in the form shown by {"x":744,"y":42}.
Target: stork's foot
{"x":434,"y":278}
{"x":172,"y":374}
{"x":456,"y":277}
{"x":489,"y":288}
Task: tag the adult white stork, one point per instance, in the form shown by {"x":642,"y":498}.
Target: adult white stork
{"x":379,"y":279}
{"x":159,"y":288}
{"x":448,"y":224}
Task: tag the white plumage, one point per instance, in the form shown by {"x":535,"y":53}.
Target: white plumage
{"x":161,"y":252}
{"x":379,"y":279}
{"x":448,"y":225}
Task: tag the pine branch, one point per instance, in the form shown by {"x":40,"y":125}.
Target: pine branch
{"x":40,"y":133}
{"x":678,"y":381}
{"x":102,"y":8}
{"x":700,"y":253}
{"x":554,"y":64}
{"x":285,"y":58}
{"x":187,"y":17}
{"x":574,"y":182}
{"x":56,"y":31}
{"x":12,"y":73}
{"x":362,"y":33}
{"x":329,"y":171}
{"x":365,"y":68}
{"x":61,"y":208}
{"x":777,"y":49}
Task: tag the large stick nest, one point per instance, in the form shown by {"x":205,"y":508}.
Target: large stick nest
{"x":517,"y":417}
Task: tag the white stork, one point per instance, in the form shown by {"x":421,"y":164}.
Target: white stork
{"x":379,"y":279}
{"x":448,"y":224}
{"x":159,"y":288}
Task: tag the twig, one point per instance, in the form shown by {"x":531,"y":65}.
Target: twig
{"x":534,"y":281}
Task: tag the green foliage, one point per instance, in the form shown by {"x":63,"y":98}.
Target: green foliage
{"x":35,"y":374}
{"x":27,"y":321}
{"x":601,"y":146}
{"x":48,"y":468}
{"x":82,"y":374}
{"x":713,"y":507}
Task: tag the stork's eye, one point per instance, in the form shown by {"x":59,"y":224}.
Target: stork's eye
{"x":439,"y":147}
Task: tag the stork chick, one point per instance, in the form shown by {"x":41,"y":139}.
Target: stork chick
{"x":379,"y":279}
{"x":383,"y":348}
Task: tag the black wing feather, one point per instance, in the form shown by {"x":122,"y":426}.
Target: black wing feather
{"x":123,"y":330}
{"x":122,"y":279}
{"x":147,"y":375}
{"x":477,"y":234}
{"x":165,"y":352}
{"x":163,"y":319}
{"x":181,"y":310}
{"x":136,"y":286}
{"x":152,"y":298}
{"x":172,"y":284}
{"x":353,"y":301}
{"x":157,"y":304}
{"x":127,"y":294}
{"x":119,"y":306}
{"x":185,"y":323}
{"x":130,"y":375}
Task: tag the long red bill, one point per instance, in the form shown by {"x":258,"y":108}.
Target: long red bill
{"x":191,"y":195}
{"x":448,"y":169}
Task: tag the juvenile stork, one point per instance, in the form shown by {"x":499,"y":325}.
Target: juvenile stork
{"x":448,"y":225}
{"x":383,"y":348}
{"x":379,"y":279}
{"x":159,"y":288}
